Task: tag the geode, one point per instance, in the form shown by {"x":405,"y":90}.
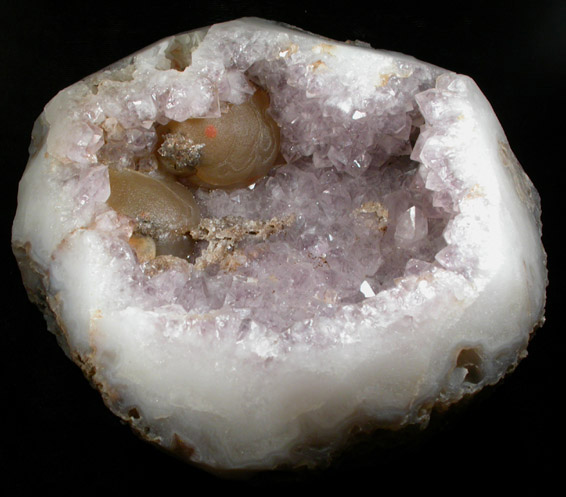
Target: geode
{"x":255,"y":241}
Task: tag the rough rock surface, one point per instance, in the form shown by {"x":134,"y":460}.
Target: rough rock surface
{"x":391,"y":264}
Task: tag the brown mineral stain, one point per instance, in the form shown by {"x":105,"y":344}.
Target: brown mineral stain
{"x":182,"y":449}
{"x":223,"y":235}
{"x":476,"y":191}
{"x":162,"y":263}
{"x":290,"y":50}
{"x":325,"y":48}
{"x":88,"y":365}
{"x":317,"y":65}
{"x":384,"y":79}
{"x":374,"y":214}
{"x":97,"y":314}
{"x":504,"y":153}
{"x":144,"y":247}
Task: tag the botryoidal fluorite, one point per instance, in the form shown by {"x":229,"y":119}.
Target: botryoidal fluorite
{"x":385,"y":259}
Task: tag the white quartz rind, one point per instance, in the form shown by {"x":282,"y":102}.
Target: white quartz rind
{"x":255,"y":401}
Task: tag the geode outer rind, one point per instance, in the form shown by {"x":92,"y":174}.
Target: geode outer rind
{"x":275,"y":362}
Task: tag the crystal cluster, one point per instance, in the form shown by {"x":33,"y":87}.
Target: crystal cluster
{"x":391,"y":262}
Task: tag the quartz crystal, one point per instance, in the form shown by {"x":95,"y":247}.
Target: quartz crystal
{"x":389,"y":263}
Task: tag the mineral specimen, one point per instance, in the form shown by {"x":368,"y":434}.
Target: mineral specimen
{"x":254,"y":240}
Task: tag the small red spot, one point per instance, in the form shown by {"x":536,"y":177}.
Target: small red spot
{"x":210,"y":131}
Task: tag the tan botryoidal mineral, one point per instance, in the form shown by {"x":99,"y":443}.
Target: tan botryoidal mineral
{"x":253,"y":239}
{"x":233,"y":150}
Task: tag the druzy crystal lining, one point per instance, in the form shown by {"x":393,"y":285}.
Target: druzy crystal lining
{"x":362,"y":214}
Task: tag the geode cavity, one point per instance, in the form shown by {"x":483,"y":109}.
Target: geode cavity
{"x":381,"y":254}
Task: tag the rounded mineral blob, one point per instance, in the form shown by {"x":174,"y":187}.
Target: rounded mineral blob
{"x":391,"y":264}
{"x":238,"y":148}
{"x":157,"y":204}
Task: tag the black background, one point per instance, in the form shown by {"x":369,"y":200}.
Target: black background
{"x":56,"y":432}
